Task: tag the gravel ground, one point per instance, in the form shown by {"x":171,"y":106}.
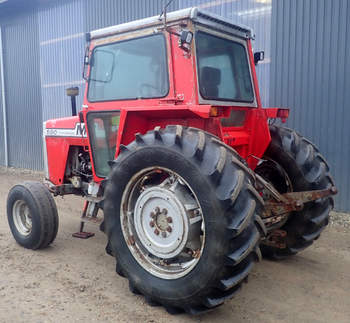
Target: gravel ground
{"x":340,"y":219}
{"x":74,"y":280}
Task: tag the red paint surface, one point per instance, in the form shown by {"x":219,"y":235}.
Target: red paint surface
{"x":180,"y":107}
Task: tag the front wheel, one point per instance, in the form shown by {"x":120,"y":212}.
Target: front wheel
{"x":180,"y":214}
{"x":32,"y":215}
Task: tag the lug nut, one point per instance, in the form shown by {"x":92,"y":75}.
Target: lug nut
{"x":151,"y":224}
{"x":169,"y":229}
{"x":157,"y":210}
{"x":152,"y":215}
{"x":156,"y":232}
{"x":165,"y":211}
{"x":169,"y":219}
{"x":164,"y":234}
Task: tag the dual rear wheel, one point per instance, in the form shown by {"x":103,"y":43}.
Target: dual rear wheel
{"x":210,"y":233}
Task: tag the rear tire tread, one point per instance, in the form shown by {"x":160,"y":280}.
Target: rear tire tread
{"x":241,"y":245}
{"x":310,"y":172}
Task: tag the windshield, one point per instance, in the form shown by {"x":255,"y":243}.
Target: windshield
{"x":223,"y":69}
{"x":130,"y":69}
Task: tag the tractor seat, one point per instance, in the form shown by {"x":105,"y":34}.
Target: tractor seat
{"x":210,"y":78}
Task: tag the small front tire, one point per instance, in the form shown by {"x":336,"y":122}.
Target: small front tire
{"x":32,"y":215}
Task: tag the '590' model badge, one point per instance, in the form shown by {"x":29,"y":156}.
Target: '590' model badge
{"x":78,"y":131}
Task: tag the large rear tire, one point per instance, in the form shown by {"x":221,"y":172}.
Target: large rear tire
{"x":293,"y":163}
{"x":32,"y":215}
{"x":188,"y":180}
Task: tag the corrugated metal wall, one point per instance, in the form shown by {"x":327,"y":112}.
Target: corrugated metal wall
{"x":310,"y":73}
{"x":105,"y":13}
{"x":61,"y":32}
{"x":22,"y":89}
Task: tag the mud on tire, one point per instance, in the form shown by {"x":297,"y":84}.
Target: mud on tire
{"x":307,"y":170}
{"x":229,"y":204}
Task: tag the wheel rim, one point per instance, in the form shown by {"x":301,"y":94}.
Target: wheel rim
{"x":162,"y":222}
{"x":275,"y":174}
{"x":22,"y":217}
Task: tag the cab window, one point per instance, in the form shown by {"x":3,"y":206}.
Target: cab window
{"x":130,"y":69}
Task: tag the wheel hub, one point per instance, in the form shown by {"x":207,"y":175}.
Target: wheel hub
{"x":161,"y":222}
{"x":22,"y":217}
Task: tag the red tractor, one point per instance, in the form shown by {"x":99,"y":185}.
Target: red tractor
{"x":173,"y":147}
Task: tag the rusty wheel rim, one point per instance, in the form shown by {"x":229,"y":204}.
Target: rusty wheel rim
{"x":162,"y":223}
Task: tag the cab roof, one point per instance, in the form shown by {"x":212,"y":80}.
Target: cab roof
{"x":197,"y":15}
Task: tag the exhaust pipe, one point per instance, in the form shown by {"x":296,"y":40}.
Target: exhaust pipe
{"x":73,"y":92}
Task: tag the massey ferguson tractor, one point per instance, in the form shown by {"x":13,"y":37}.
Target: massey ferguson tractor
{"x":178,"y":162}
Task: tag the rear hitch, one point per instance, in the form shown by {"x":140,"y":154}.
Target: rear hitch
{"x":276,"y":239}
{"x":280,"y":205}
{"x":295,"y":201}
{"x":284,"y":203}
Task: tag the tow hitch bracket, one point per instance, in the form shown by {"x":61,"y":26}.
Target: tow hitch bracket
{"x":281,"y":204}
{"x":295,"y":201}
{"x":277,"y":209}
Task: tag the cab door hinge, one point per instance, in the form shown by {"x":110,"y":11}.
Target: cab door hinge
{"x":177,"y":100}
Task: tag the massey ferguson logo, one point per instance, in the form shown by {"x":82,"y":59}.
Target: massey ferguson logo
{"x":78,"y":131}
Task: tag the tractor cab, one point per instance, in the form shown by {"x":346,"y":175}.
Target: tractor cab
{"x":189,"y":67}
{"x":190,"y":57}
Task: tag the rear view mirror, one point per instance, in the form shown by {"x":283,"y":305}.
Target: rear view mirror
{"x":258,"y":56}
{"x":185,"y":39}
{"x":102,"y":65}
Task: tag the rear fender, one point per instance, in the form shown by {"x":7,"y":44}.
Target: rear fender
{"x":140,"y":120}
{"x":133,"y":122}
